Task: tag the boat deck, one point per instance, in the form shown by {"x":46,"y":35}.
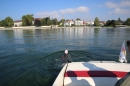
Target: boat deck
{"x":93,"y":73}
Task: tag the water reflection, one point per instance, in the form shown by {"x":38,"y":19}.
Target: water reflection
{"x":65,"y":38}
{"x":68,"y":36}
{"x":9,"y":33}
{"x":19,"y":36}
{"x":96,"y":34}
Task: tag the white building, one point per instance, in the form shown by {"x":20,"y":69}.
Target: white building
{"x":91,"y":23}
{"x":84,"y":23}
{"x":78,"y":22}
{"x":71,"y":22}
{"x":18,"y":23}
{"x":102,"y":23}
{"x":68,"y":23}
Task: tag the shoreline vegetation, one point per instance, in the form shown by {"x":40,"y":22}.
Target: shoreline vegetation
{"x":29,"y":22}
{"x":49,"y":27}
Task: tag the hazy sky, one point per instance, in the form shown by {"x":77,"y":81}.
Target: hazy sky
{"x":68,"y":9}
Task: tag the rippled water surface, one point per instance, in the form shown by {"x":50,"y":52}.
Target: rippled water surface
{"x":33,"y":57}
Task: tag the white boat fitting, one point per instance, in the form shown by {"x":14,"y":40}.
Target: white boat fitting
{"x":93,"y":73}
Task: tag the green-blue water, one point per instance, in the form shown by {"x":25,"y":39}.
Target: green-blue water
{"x":33,"y":57}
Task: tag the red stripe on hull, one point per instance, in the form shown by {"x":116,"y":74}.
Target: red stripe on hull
{"x":119,"y":74}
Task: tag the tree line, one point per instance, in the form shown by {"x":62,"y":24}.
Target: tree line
{"x":28,"y":20}
{"x":7,"y":22}
{"x":112,"y":23}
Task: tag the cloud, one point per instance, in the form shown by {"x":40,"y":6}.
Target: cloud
{"x":82,"y":9}
{"x":119,"y":8}
{"x":53,"y":14}
{"x":123,"y":3}
{"x":111,"y":5}
{"x":74,"y":10}
{"x":59,"y":13}
{"x":67,"y":11}
{"x":120,"y":11}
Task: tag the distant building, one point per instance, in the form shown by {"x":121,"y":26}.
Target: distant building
{"x":79,"y":23}
{"x":102,"y":23}
{"x":119,"y":22}
{"x":18,"y":23}
{"x":91,"y":23}
{"x":76,"y":23}
{"x":71,"y":22}
{"x":36,"y":19}
{"x":84,"y":23}
{"x":68,"y":23}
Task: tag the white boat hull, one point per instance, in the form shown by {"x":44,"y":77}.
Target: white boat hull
{"x":99,"y":73}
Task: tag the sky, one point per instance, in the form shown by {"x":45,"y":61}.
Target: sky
{"x":67,"y":9}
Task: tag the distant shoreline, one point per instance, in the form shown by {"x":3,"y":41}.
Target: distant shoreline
{"x":25,"y":27}
{"x":49,"y":27}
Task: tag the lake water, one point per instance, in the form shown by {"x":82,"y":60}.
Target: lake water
{"x":32,"y":57}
